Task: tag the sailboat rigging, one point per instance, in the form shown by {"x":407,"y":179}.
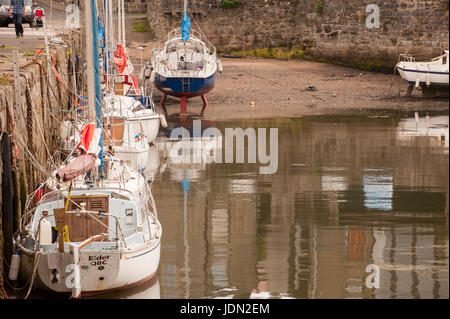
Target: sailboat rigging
{"x":96,"y":228}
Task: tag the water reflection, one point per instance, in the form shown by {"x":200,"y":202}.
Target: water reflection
{"x":348,"y":193}
{"x":148,"y":290}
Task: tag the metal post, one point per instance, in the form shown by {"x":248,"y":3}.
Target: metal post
{"x":123,"y":24}
{"x":47,"y":53}
{"x":184,"y":8}
{"x":17,"y":95}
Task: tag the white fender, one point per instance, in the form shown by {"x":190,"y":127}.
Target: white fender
{"x":45,"y":232}
{"x":14,"y":266}
{"x":163,"y":120}
{"x":219,"y":65}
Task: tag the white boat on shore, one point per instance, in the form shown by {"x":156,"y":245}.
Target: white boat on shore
{"x":424,"y":73}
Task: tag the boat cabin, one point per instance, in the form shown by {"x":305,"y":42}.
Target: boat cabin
{"x":88,"y":215}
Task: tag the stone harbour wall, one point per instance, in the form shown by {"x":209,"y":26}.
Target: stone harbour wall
{"x":29,"y":135}
{"x":328,"y":30}
{"x":135,"y":6}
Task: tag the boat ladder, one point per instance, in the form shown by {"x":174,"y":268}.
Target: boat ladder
{"x":186,"y":87}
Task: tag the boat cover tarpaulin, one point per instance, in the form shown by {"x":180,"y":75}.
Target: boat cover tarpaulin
{"x":185,"y":28}
{"x":80,"y":165}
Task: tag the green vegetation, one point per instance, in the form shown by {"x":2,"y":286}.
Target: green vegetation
{"x":227,"y":4}
{"x":318,"y":5}
{"x":141,"y":25}
{"x":28,"y":53}
{"x":5,"y":79}
{"x":296,"y":52}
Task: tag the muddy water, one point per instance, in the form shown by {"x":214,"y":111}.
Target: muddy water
{"x":352,"y":198}
{"x":349,"y":195}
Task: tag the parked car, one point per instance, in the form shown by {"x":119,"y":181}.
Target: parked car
{"x":5,"y":19}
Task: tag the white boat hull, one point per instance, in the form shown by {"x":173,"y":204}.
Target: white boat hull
{"x":100,"y":272}
{"x":424,"y":77}
{"x":428,"y":73}
{"x":151,"y":127}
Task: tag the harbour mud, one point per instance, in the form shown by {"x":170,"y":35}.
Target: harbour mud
{"x":264,"y":88}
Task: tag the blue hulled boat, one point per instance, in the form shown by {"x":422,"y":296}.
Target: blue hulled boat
{"x":186,"y":66}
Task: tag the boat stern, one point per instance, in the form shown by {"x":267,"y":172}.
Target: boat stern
{"x":65,"y":272}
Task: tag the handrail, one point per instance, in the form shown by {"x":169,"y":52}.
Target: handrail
{"x":176,"y":33}
{"x":118,"y":231}
{"x":55,"y":192}
{"x":410,"y":58}
{"x":91,"y":239}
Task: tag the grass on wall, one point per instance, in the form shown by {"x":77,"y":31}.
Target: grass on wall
{"x":295,"y":53}
{"x":227,"y":4}
{"x":318,"y":6}
{"x":141,"y":25}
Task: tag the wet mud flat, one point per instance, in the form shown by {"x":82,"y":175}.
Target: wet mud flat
{"x":298,"y":88}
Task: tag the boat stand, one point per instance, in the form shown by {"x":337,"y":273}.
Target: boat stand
{"x":410,"y":90}
{"x":183,"y":104}
{"x":163,"y":104}
{"x":205,"y":104}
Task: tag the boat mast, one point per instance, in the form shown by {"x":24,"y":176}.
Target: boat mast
{"x":93,"y":83}
{"x":122,"y":11}
{"x":90,"y":61}
{"x":185,"y":19}
{"x":184,"y":9}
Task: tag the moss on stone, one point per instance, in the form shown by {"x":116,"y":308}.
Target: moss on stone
{"x":5,"y":79}
{"x":141,"y":25}
{"x":295,"y":53}
{"x":227,"y":4}
{"x":318,"y":6}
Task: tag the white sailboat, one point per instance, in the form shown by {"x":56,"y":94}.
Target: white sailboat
{"x":424,"y":73}
{"x":130,"y":126}
{"x":90,"y":235}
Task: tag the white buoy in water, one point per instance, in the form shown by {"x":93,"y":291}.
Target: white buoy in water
{"x":417,"y":82}
{"x":14,"y":266}
{"x":163,"y":121}
{"x":45,"y":232}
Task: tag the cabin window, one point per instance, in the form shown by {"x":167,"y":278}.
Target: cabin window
{"x":129,"y":220}
{"x":444,"y":60}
